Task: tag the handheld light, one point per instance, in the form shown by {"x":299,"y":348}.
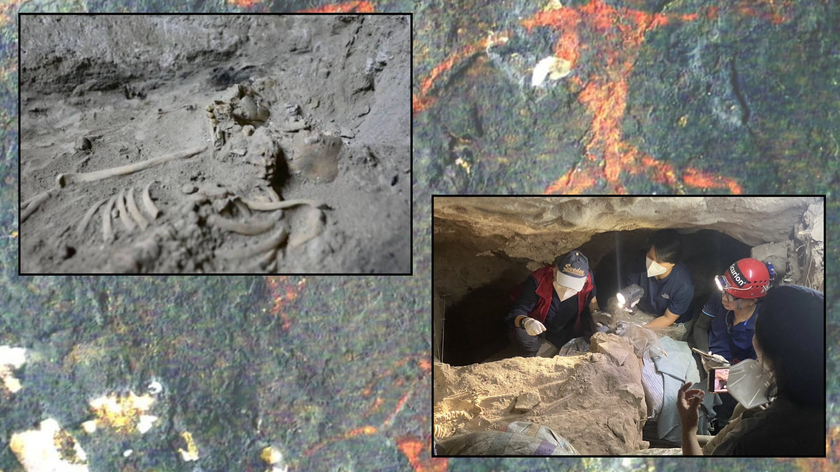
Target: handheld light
{"x":628,"y":297}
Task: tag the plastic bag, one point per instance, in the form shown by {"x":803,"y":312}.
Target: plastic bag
{"x":644,"y":341}
{"x":517,"y":439}
{"x":574,"y":347}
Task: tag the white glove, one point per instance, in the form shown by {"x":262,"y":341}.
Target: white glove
{"x":532,"y":326}
{"x":715,"y":362}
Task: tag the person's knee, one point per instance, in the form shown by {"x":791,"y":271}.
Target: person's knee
{"x":527,"y":345}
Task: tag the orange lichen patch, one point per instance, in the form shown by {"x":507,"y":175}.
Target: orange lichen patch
{"x":620,"y":33}
{"x":572,"y":182}
{"x":347,"y":7}
{"x":388,"y":425}
{"x":243,"y":3}
{"x":419,"y":455}
{"x":564,"y":19}
{"x":375,"y":406}
{"x":423,"y":99}
{"x":122,"y":413}
{"x":363,"y":431}
{"x":399,"y":407}
{"x":661,"y":172}
{"x":284,"y":290}
{"x":701,"y":179}
{"x":8,"y":10}
{"x":832,"y":443}
{"x":712,"y":13}
{"x":832,"y":446}
{"x":605,"y":92}
{"x":774,"y":11}
{"x":425,"y":365}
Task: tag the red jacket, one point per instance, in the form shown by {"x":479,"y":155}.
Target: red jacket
{"x":545,"y":288}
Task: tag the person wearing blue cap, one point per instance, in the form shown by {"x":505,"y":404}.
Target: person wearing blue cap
{"x":782,"y":391}
{"x":553,"y":300}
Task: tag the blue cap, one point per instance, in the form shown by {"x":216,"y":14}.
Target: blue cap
{"x":572,"y":270}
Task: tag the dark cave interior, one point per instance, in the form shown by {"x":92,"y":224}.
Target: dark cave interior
{"x":473,"y":328}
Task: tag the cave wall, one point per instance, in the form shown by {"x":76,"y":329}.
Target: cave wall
{"x":492,"y":243}
{"x":537,"y":229}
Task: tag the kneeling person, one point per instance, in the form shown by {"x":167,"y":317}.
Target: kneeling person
{"x":553,"y":300}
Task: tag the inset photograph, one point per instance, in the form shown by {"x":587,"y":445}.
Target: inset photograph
{"x":616,"y":326}
{"x":215,"y":144}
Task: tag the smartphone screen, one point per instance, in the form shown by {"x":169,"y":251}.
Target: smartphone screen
{"x":718,"y":379}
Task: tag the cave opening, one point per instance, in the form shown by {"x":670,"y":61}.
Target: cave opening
{"x":472,"y":330}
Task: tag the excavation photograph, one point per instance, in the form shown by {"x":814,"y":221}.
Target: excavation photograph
{"x":215,"y":144}
{"x":610,"y":326}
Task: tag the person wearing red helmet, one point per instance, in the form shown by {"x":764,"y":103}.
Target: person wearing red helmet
{"x":782,"y":392}
{"x":726,"y":325}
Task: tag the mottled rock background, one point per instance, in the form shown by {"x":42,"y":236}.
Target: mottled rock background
{"x":807,"y":169}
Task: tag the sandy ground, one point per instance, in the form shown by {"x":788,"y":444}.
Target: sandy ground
{"x":279,"y":108}
{"x":594,"y":400}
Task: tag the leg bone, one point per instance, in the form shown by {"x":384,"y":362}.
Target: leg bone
{"x":65,"y":179}
{"x":271,"y":206}
{"x":28,"y":207}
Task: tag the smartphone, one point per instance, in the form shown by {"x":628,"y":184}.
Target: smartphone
{"x":704,"y":354}
{"x":718,"y":379}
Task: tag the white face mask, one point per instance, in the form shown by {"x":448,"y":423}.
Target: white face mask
{"x":748,"y":382}
{"x":564,"y":293}
{"x":569,"y":293}
{"x":654,"y":269}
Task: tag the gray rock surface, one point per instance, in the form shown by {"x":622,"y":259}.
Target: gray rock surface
{"x":138,"y":87}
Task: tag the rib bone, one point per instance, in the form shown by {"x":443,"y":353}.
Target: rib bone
{"x":264,"y":263}
{"x":249,"y":228}
{"x":80,"y":230}
{"x":126,"y":220}
{"x":135,"y":212}
{"x":147,"y":202}
{"x":107,"y":233}
{"x":65,"y":179}
{"x":269,"y":244}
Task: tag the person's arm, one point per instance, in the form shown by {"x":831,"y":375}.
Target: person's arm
{"x":701,"y":331}
{"x":680,"y":301}
{"x":688,"y":407}
{"x":527,"y":299}
{"x":593,"y":305}
{"x":631,"y":278}
{"x":663,"y":321}
{"x":690,"y":444}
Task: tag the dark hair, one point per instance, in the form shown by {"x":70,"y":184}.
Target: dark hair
{"x":667,"y":245}
{"x":790,"y":330}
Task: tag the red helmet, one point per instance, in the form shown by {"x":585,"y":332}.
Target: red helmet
{"x":747,"y":278}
